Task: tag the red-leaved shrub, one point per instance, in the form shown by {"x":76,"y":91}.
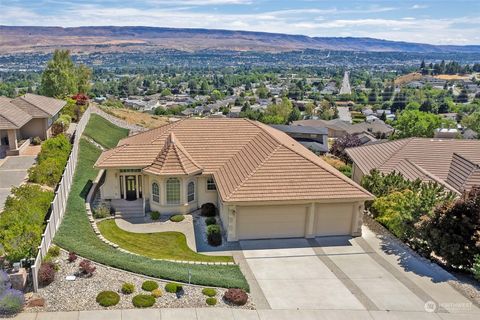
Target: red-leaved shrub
{"x":46,"y":273}
{"x":72,"y":256}
{"x":237,"y":297}
{"x":87,"y":268}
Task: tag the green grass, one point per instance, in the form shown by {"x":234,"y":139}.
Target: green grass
{"x":158,"y":245}
{"x":76,"y":234}
{"x":104,"y":132}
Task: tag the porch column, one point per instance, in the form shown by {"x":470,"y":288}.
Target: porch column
{"x":357,"y":218}
{"x":12,"y":139}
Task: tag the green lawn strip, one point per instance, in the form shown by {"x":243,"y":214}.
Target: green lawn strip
{"x":104,"y":132}
{"x":76,"y":234}
{"x":158,"y":245}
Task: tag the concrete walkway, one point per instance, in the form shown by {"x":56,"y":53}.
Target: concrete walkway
{"x":238,"y":314}
{"x":13,"y":172}
{"x":146,"y":225}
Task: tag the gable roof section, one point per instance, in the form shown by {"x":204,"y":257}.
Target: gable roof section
{"x":39,"y":106}
{"x":12,"y":117}
{"x":424,"y":158}
{"x":463,"y":173}
{"x":250,"y":161}
{"x":173,"y":160}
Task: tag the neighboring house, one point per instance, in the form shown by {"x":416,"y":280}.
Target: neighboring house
{"x":338,"y":128}
{"x":312,"y":138}
{"x":264,"y":183}
{"x":26,"y":117}
{"x":453,"y":163}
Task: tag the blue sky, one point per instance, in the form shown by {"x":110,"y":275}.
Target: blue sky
{"x":437,"y":22}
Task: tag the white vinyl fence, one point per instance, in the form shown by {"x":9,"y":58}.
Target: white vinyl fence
{"x":59,"y":203}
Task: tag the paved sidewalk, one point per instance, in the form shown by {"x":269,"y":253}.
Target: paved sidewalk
{"x":238,"y":314}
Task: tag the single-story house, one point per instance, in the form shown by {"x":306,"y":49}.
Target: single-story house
{"x":452,"y":163}
{"x":26,"y":117}
{"x":264,"y":183}
{"x":312,"y":138}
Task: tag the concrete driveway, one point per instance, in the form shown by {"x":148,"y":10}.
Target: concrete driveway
{"x":343,"y":273}
{"x":13,"y":172}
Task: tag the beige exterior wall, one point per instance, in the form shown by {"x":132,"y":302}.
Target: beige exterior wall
{"x":35,"y":128}
{"x":357,"y":174}
{"x":204,"y":195}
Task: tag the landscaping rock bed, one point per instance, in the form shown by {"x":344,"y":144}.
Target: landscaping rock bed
{"x":80,"y":294}
{"x":201,"y":235}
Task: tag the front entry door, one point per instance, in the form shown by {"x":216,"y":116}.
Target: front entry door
{"x":131,"y":183}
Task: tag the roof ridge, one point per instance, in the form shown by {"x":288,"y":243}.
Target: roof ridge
{"x":7,"y":119}
{"x":31,"y":104}
{"x":431,"y":175}
{"x":111,"y":153}
{"x":334,"y":172}
{"x":464,"y":158}
{"x":253,"y":172}
{"x":408,"y":141}
{"x":175,"y":149}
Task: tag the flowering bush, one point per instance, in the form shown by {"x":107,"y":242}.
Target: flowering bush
{"x":11,"y":300}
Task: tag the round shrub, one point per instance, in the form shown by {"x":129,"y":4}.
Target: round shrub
{"x":11,"y":301}
{"x":157,"y":293}
{"x":209,"y":292}
{"x":214,"y":235}
{"x":154,"y":215}
{"x":143,"y":301}
{"x":54,"y":251}
{"x":208,"y":210}
{"x":173,"y":287}
{"x":46,"y":273}
{"x":211,"y":301}
{"x":237,"y":297}
{"x":210,"y":221}
{"x":177,"y":218}
{"x":128,"y":288}
{"x":108,"y":298}
{"x":149,"y":285}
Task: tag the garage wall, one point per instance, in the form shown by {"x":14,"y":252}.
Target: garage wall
{"x":262,"y":222}
{"x":35,"y":128}
{"x":334,"y":219}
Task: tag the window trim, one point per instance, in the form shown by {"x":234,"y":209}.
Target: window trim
{"x":192,"y":193}
{"x":155,"y":195}
{"x":210,"y":182}
{"x":178,"y":193}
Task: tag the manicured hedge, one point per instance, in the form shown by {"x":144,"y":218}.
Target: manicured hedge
{"x":76,"y":234}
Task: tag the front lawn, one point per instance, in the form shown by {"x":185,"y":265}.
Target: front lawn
{"x":104,"y":132}
{"x":158,"y":245}
{"x":76,"y":234}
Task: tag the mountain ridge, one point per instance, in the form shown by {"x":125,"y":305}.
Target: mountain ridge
{"x":16,"y":39}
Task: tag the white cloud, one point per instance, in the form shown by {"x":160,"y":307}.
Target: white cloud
{"x":419,"y":6}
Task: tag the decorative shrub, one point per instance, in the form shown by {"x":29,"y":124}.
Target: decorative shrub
{"x":210,"y":221}
{"x":154,"y":215}
{"x":11,"y":301}
{"x":214,"y":235}
{"x":208,"y":210}
{"x":128,"y":288}
{"x":46,"y":273}
{"x":101,"y":212}
{"x":4,"y":282}
{"x":54,"y":251}
{"x":211,"y":301}
{"x":87,"y":268}
{"x":476,"y":267}
{"x":157,"y":293}
{"x":36,"y":141}
{"x":72,"y":256}
{"x":209,"y":292}
{"x":149,"y":285}
{"x":173,"y":287}
{"x":237,"y":297}
{"x":143,"y":301}
{"x":177,"y":218}
{"x":108,"y":298}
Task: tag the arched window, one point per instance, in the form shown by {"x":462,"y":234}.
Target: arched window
{"x":173,"y":191}
{"x":155,"y":192}
{"x":191,"y":191}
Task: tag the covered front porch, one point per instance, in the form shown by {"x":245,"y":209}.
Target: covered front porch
{"x":11,"y":143}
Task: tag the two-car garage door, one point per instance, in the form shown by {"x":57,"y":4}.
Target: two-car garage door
{"x":262,"y":222}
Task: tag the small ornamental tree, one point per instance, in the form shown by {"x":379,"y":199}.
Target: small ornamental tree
{"x":339,"y":146}
{"x":453,"y":231}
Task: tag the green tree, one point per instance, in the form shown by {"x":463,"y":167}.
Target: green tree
{"x":414,"y":123}
{"x":84,"y":74}
{"x":472,"y":121}
{"x":59,"y":78}
{"x":294,"y":115}
{"x":166,"y":92}
{"x":278,"y":113}
{"x":216,"y":95}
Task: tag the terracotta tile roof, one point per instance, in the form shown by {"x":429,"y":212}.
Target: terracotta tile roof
{"x":430,"y":159}
{"x":173,"y":160}
{"x":39,"y":106}
{"x":250,"y":161}
{"x":12,"y":117}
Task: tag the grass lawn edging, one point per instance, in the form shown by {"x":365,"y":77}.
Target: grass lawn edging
{"x":76,"y":234}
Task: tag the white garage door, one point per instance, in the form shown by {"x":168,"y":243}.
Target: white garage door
{"x":334,"y":219}
{"x":261,"y":222}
